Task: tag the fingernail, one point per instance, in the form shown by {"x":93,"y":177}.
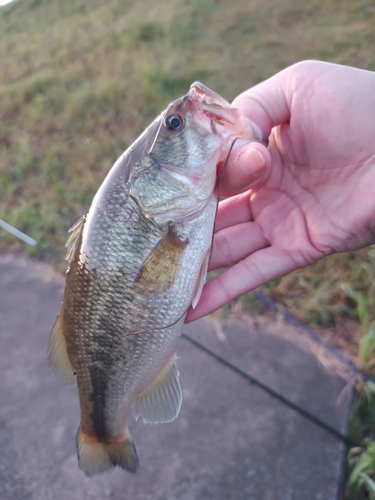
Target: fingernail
{"x":252,"y":161}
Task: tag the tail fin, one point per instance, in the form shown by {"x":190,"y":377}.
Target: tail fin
{"x":95,"y":457}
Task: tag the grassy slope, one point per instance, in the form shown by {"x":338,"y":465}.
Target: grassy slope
{"x":80,"y":79}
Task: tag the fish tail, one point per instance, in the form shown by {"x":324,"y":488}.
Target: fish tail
{"x":95,"y":457}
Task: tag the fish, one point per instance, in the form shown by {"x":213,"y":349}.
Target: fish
{"x":136,"y":262}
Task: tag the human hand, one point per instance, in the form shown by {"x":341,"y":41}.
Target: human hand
{"x":312,"y":193}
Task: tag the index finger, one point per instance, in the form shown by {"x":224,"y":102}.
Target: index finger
{"x":262,"y":266}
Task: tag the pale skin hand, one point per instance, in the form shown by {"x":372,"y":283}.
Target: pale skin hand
{"x":312,"y":193}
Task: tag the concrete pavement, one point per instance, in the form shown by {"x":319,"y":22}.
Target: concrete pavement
{"x":231,"y":441}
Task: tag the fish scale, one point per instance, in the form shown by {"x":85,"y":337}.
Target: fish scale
{"x":137,"y":261}
{"x":103,"y":336}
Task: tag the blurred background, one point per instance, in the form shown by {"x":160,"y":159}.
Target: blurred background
{"x":80,"y":79}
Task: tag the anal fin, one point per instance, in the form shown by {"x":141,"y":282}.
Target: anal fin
{"x":161,"y":400}
{"x":58,"y":355}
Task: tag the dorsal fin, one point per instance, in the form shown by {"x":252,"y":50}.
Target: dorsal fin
{"x":72,"y":242}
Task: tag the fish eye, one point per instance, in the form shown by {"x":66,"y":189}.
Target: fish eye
{"x":173,"y":122}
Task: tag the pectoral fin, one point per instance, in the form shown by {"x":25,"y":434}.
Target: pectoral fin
{"x":161,"y":400}
{"x":159,"y":270}
{"x":201,"y":280}
{"x":58,"y":355}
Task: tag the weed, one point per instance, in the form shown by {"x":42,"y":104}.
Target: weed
{"x":147,"y":32}
{"x":361,"y":460}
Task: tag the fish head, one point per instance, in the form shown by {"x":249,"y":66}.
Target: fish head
{"x":194,"y":134}
{"x":199,"y":126}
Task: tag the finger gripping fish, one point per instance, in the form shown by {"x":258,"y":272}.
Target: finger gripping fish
{"x":137,"y":261}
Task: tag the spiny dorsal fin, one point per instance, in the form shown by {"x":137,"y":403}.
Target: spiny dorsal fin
{"x":161,"y":400}
{"x":58,"y":355}
{"x":158,"y":271}
{"x":201,"y":280}
{"x":72,"y":242}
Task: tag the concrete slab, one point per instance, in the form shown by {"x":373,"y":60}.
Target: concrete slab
{"x":231,"y":440}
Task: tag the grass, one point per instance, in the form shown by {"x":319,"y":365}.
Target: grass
{"x":80,"y":79}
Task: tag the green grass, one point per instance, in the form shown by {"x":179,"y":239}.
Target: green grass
{"x":80,"y":79}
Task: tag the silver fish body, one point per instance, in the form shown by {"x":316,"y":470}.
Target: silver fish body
{"x":136,"y":263}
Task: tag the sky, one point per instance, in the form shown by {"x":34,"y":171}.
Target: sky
{"x":4,"y":2}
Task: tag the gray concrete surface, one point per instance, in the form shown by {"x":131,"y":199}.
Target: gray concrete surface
{"x":231,"y":440}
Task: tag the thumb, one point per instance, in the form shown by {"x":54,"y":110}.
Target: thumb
{"x":267,"y":105}
{"x":248,"y":167}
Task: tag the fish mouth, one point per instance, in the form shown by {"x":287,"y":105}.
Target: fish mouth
{"x":212,"y":103}
{"x":221,"y":112}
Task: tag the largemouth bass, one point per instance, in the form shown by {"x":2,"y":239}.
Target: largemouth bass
{"x":137,"y":261}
